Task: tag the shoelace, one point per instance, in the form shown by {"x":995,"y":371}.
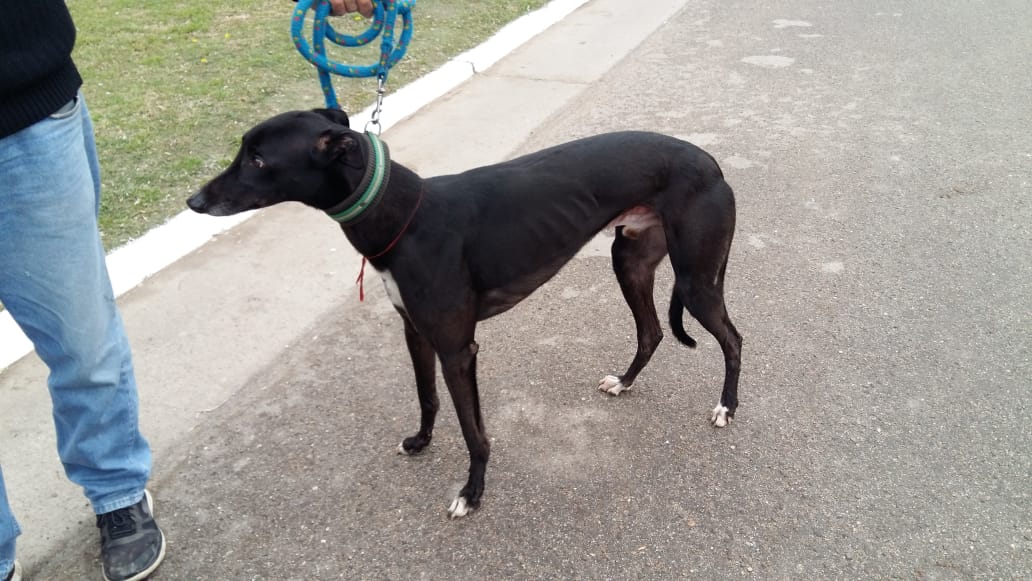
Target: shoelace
{"x":118,"y":523}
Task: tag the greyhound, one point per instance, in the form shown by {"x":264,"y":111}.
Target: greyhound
{"x":455,"y":250}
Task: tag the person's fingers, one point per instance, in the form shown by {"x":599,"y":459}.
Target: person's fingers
{"x":363,"y":7}
{"x":339,"y":7}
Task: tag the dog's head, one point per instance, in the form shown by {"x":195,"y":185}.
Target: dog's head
{"x":312,"y":157}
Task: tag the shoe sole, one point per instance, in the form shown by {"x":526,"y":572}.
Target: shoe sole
{"x":161,"y":554}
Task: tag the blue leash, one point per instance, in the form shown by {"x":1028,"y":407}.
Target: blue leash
{"x":386,"y":13}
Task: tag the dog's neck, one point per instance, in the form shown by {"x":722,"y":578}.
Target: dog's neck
{"x":369,"y":192}
{"x":383,"y":223}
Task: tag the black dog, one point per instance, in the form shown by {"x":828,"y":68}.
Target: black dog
{"x":455,"y":250}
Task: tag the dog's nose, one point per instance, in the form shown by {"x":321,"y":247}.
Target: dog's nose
{"x":196,"y":202}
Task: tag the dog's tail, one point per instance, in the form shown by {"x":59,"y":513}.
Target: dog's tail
{"x":677,"y":320}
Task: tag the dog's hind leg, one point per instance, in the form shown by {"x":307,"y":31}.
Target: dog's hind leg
{"x":635,"y":256}
{"x":705,"y":302}
{"x":424,"y":363}
{"x":698,"y":253}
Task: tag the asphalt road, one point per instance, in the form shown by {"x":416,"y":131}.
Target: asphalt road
{"x":881,"y":155}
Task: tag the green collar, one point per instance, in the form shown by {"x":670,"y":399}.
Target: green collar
{"x":370,"y":190}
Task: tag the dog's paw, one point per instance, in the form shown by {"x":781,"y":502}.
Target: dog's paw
{"x":459,"y":507}
{"x":414,"y":445}
{"x":409,"y":448}
{"x":612,"y":385}
{"x":719,"y":418}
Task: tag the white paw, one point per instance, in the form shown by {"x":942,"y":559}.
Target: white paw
{"x":719,"y":418}
{"x":458,"y":507}
{"x":612,"y":385}
{"x":402,"y":450}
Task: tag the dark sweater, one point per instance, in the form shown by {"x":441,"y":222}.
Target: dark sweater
{"x":37,"y":75}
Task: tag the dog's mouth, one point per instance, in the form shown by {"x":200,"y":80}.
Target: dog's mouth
{"x":201,"y":204}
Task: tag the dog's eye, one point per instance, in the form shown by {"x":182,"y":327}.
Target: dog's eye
{"x":257,"y":161}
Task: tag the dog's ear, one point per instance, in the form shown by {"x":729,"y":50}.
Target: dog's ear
{"x":335,"y":115}
{"x":334,"y":145}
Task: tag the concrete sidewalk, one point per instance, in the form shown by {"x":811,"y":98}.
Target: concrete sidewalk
{"x":202,"y":328}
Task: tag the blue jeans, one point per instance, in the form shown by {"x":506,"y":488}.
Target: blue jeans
{"x":54,"y":282}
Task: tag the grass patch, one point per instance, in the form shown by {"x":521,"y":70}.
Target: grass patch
{"x":172,"y":86}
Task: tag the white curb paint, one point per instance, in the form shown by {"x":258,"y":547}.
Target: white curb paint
{"x":129,"y":265}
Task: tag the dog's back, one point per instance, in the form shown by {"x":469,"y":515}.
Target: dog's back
{"x":539,"y":209}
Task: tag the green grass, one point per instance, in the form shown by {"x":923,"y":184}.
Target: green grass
{"x":172,"y":86}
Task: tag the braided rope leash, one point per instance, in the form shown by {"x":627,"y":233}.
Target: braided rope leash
{"x":384,"y":25}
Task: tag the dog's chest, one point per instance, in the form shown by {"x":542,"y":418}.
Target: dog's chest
{"x":391,"y":286}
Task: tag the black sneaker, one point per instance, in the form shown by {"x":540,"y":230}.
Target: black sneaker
{"x":15,"y":574}
{"x":131,"y":544}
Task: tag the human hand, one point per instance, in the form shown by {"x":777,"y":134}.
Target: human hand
{"x":363,"y":7}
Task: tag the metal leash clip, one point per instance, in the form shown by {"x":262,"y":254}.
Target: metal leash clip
{"x":374,"y":118}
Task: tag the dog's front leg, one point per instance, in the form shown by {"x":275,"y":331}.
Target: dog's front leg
{"x":460,"y":373}
{"x":424,"y":363}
